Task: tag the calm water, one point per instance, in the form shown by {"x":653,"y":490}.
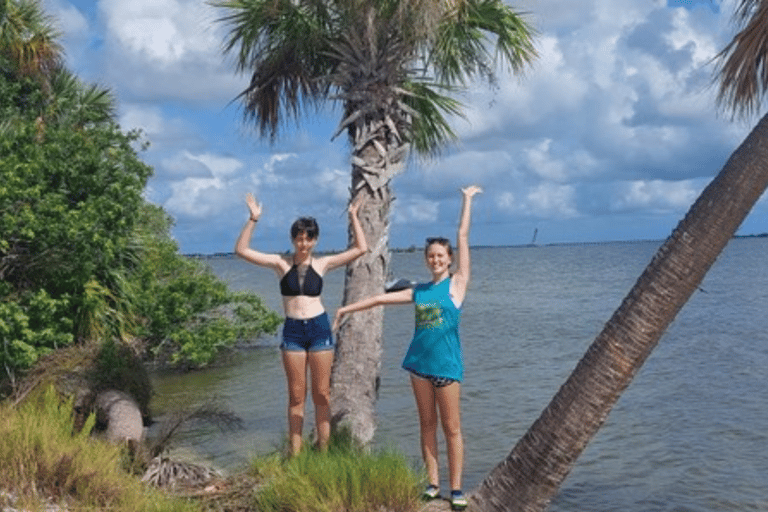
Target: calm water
{"x":690,"y":433}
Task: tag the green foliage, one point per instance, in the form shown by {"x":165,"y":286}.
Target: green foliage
{"x":44,"y":458}
{"x":32,"y":326}
{"x":188,"y":314}
{"x":82,"y":256}
{"x":303,"y":53}
{"x":346,"y":477}
{"x":118,"y":367}
{"x":68,"y":200}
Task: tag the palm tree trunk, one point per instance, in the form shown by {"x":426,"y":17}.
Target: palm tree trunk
{"x":533,"y":471}
{"x":355,"y":376}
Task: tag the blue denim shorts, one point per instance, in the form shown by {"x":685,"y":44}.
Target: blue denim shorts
{"x":309,"y":334}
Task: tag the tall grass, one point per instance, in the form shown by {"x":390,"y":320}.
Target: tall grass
{"x":345,"y":478}
{"x":42,"y":459}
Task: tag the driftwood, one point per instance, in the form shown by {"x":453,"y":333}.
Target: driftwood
{"x":164,"y":472}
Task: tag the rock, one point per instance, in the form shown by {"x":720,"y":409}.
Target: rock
{"x":120,"y":416}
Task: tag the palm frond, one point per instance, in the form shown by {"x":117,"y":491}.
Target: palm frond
{"x":29,"y":39}
{"x":431,"y":130}
{"x":374,"y":57}
{"x":281,"y":43}
{"x":461,"y":48}
{"x":78,"y":104}
{"x":743,"y":64}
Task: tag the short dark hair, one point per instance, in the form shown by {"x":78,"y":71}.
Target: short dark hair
{"x":440,"y":241}
{"x":306,"y":225}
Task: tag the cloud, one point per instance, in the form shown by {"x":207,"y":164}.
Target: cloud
{"x":416,"y":210}
{"x":167,"y":49}
{"x":655,"y":196}
{"x":546,"y":200}
{"x":613,"y":127}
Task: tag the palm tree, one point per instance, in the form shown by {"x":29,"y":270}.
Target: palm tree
{"x":29,"y":45}
{"x":76,"y":104}
{"x":530,"y":475}
{"x":393,"y":65}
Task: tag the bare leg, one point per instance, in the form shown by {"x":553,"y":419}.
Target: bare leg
{"x":320,"y":363}
{"x":448,"y":401}
{"x":424,"y":393}
{"x":295,"y":364}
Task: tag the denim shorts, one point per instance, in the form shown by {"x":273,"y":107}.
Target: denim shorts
{"x":309,"y":334}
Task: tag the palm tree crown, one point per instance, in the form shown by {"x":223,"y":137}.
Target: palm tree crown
{"x":28,"y":40}
{"x":743,"y":63}
{"x":396,"y":55}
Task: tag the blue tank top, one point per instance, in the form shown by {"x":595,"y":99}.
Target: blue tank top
{"x":435,"y":349}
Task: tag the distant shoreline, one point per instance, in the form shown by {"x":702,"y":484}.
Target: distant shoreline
{"x":224,"y":255}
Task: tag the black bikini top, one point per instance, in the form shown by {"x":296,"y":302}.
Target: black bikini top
{"x":312,"y":286}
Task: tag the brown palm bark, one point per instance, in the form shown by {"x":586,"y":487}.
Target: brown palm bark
{"x":356,"y":371}
{"x":528,"y":478}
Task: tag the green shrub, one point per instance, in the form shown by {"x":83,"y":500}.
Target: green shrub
{"x":346,"y":477}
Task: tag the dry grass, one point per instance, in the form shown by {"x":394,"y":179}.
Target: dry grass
{"x":45,"y":461}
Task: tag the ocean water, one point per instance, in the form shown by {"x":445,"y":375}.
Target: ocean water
{"x":689,"y":434}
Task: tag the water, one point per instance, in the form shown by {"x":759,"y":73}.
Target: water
{"x":688,"y":435}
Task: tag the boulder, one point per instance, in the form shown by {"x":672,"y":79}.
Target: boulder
{"x":118,"y":415}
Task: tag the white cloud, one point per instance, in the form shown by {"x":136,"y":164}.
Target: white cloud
{"x":196,"y":197}
{"x":69,"y":20}
{"x":550,"y":200}
{"x":267,"y":174}
{"x":167,"y":49}
{"x":615,"y":117}
{"x":220,"y":166}
{"x":333,"y":182}
{"x":148,"y":119}
{"x":415,"y":209}
{"x":184,"y":165}
{"x":656,"y":196}
{"x":546,"y":200}
{"x":161,"y":31}
{"x":542,"y":163}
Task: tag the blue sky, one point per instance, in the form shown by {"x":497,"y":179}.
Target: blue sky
{"x":610,"y":135}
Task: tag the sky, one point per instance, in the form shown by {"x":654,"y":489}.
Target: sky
{"x":610,"y":135}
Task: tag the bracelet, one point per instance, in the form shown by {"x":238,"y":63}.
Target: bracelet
{"x":254,"y":220}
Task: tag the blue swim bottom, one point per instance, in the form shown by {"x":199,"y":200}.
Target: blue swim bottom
{"x":438,"y":382}
{"x":307,"y":334}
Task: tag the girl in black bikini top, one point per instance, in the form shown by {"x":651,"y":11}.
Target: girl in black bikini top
{"x":290,"y":285}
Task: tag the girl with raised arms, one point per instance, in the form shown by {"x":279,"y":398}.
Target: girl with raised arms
{"x":434,"y":358}
{"x":307,"y":342}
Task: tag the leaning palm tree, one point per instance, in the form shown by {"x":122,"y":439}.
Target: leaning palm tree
{"x":530,"y":475}
{"x":392,"y":65}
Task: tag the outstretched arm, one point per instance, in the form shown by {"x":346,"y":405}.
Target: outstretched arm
{"x":399,"y":297}
{"x":243,"y":244}
{"x":460,"y":278}
{"x":361,"y":245}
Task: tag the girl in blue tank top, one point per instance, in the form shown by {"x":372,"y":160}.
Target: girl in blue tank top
{"x":434,"y":358}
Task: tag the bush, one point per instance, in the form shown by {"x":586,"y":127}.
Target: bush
{"x":187,"y":314}
{"x":346,"y":477}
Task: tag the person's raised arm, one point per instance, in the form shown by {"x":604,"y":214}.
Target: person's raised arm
{"x":243,"y":245}
{"x":460,"y":278}
{"x":361,"y":245}
{"x":399,"y":297}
